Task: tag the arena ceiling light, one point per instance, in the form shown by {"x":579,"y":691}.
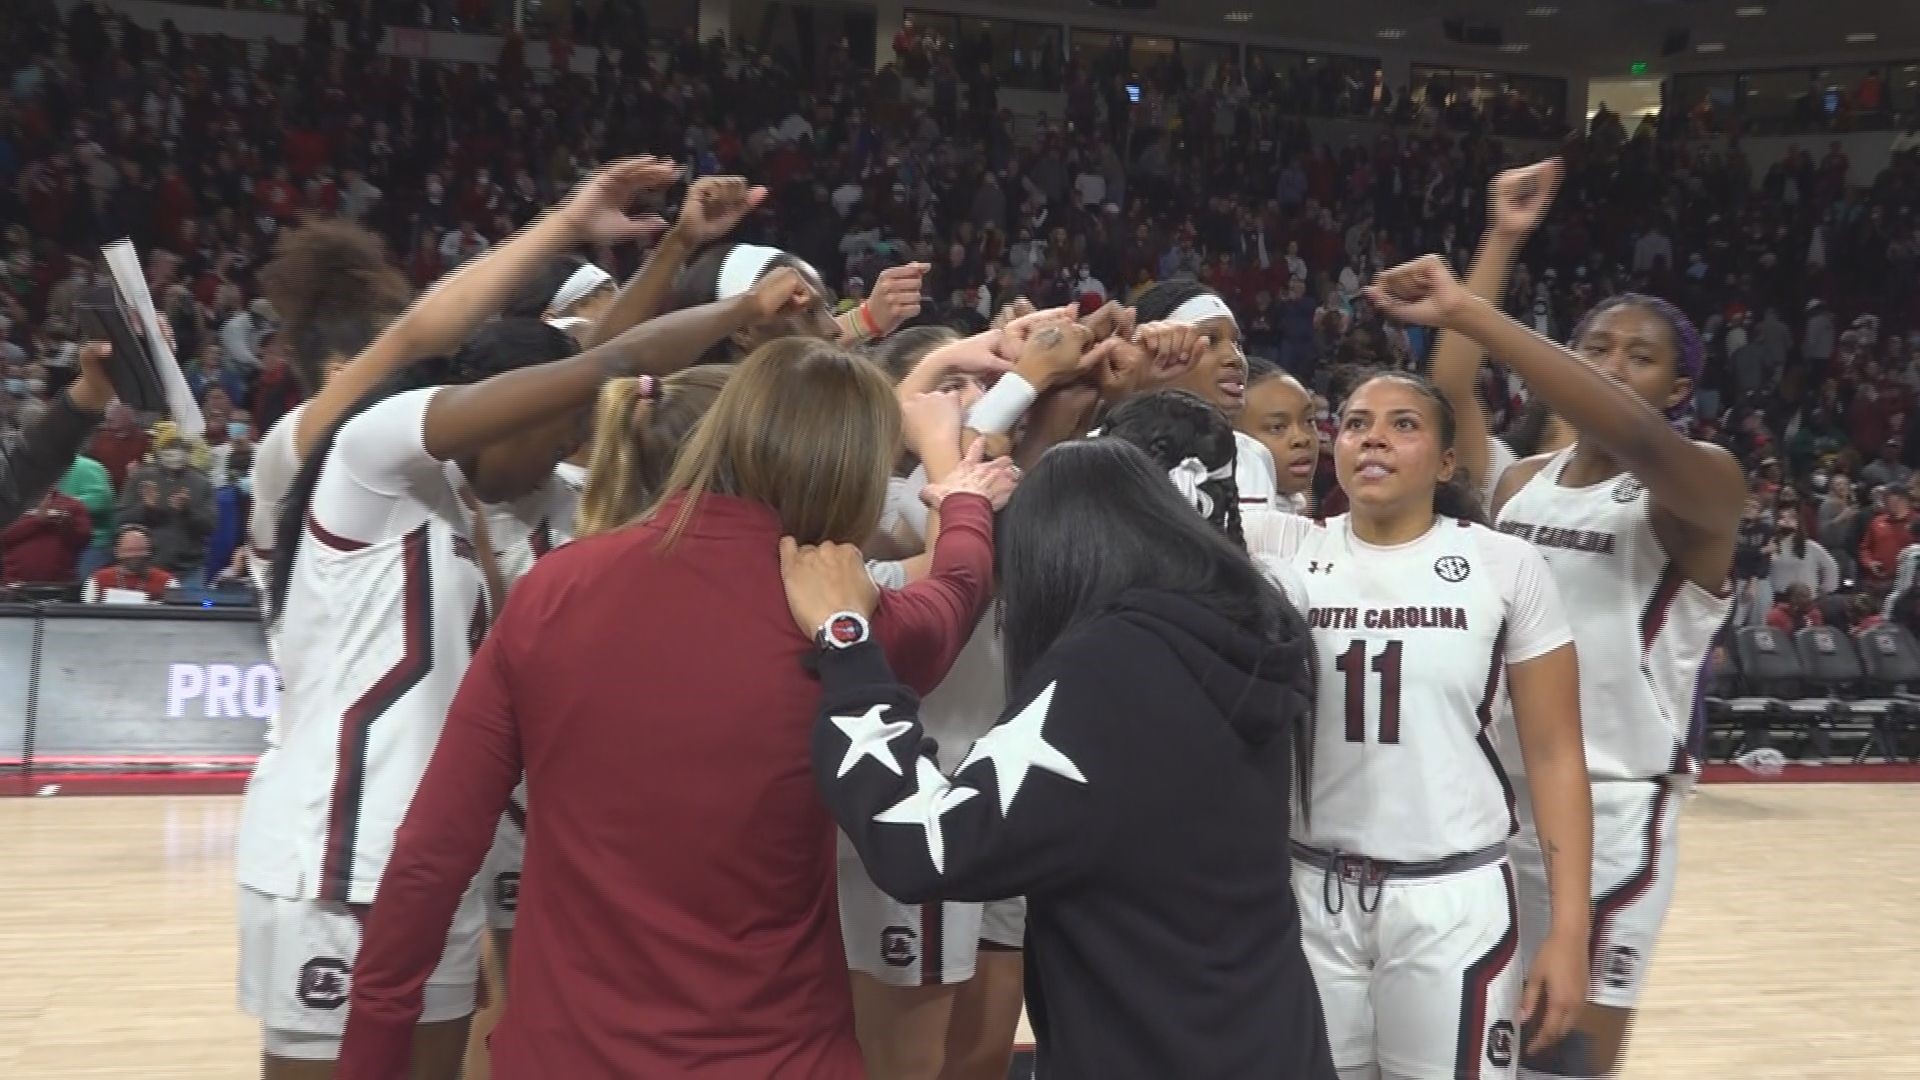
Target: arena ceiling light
{"x":1514,"y":47}
{"x":1544,"y":11}
{"x":1392,"y":34}
{"x":1711,"y":47}
{"x":1862,"y":39}
{"x":1239,"y":16}
{"x":1751,"y":11}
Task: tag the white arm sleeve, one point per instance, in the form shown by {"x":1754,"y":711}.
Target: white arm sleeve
{"x":274,"y":467}
{"x":1002,"y":405}
{"x":1274,"y":533}
{"x":1536,"y":620}
{"x":1499,"y":459}
{"x":888,"y":575}
{"x":379,"y":482}
{"x":903,"y":505}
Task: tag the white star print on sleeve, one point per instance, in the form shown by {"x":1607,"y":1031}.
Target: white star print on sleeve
{"x":1017,"y":747}
{"x":932,"y":797}
{"x":867,"y":737}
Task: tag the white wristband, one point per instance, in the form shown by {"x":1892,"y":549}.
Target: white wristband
{"x":1002,"y":406}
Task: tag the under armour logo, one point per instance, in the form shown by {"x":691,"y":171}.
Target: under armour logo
{"x":1318,"y":567}
{"x":323,"y":983}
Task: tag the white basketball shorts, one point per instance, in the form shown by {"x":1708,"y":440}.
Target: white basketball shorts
{"x":296,"y":967}
{"x":919,"y":944}
{"x":499,"y":880}
{"x":1635,"y":856}
{"x":1421,"y":979}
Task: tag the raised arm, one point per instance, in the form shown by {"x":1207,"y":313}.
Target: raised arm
{"x":713,"y":208}
{"x":1516,"y":202}
{"x":1697,"y":484}
{"x":462,"y":419}
{"x":438,"y":322}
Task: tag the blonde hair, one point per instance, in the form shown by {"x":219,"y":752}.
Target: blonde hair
{"x":636,"y":441}
{"x":804,"y":427}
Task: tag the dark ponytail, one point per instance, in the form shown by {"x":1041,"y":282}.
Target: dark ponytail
{"x":1174,"y":425}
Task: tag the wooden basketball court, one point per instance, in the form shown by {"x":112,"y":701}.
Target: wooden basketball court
{"x":1793,"y":950}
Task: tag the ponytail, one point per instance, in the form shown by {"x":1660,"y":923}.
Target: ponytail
{"x":637,"y":433}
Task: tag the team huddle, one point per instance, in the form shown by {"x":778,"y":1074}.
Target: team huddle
{"x":1017,"y":578}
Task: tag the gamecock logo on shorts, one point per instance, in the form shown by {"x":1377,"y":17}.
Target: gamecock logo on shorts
{"x":506,"y":891}
{"x":1622,"y":963}
{"x":897,"y":946}
{"x":1500,"y":1044}
{"x":1452,"y":568}
{"x":323,"y":983}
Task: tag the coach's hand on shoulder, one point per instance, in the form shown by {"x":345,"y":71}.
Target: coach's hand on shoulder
{"x":823,"y":580}
{"x":599,"y":210}
{"x":1556,"y":990}
{"x":713,"y":208}
{"x":1518,"y":199}
{"x":1423,"y":291}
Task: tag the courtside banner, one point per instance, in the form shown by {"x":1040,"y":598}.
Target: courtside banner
{"x":16,"y":679}
{"x":159,"y":687}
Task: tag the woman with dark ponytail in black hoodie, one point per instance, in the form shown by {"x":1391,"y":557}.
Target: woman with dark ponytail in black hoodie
{"x":1137,"y":790}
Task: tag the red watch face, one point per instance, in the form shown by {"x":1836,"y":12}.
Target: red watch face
{"x":846,"y":630}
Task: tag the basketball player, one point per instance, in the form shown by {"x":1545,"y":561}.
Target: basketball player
{"x":1279,"y":414}
{"x":377,"y":610}
{"x":1638,"y":524}
{"x":936,"y":986}
{"x":1220,"y":376}
{"x":726,"y":271}
{"x":1424,"y":622}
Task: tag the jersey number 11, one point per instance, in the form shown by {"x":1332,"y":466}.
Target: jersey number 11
{"x":1353,"y":664}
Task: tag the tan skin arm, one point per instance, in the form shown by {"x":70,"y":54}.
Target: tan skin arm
{"x":1517,"y":201}
{"x":1546,"y":709}
{"x":452,"y":310}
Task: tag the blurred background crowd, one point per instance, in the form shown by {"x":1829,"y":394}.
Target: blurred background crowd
{"x":203,"y":149}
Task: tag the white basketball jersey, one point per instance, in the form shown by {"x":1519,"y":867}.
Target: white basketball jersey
{"x":1253,"y":472}
{"x":529,"y":527}
{"x":1412,"y":644}
{"x":372,"y":644}
{"x":1643,"y":631}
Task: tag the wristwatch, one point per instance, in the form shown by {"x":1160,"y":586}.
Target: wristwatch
{"x":843,"y":630}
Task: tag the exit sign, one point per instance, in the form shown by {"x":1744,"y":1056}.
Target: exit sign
{"x":1639,"y":67}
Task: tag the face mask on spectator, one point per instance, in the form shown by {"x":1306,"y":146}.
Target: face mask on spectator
{"x":238,"y":429}
{"x":136,"y":565}
{"x":17,"y":387}
{"x":172,"y":458}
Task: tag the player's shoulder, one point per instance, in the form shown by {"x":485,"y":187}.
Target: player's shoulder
{"x":1495,"y":546}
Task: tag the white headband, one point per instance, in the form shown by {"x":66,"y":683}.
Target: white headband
{"x":578,"y":287}
{"x":1200,"y":309}
{"x":741,"y":268}
{"x":1189,"y":475}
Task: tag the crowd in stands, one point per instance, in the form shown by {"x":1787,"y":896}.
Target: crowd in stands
{"x":202,"y":150}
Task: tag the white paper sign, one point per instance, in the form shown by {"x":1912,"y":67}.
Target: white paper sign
{"x":124,"y":264}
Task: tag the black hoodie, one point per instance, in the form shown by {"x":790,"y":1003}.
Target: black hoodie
{"x":1137,"y":793}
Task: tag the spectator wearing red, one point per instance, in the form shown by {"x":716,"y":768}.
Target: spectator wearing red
{"x":1795,"y":611}
{"x":132,"y":570}
{"x":44,"y":545}
{"x":1886,"y":534}
{"x":119,"y":445}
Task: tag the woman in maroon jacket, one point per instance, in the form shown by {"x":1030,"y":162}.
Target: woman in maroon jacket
{"x":677,"y":914}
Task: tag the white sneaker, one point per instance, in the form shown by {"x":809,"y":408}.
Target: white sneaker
{"x":1763,"y":762}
